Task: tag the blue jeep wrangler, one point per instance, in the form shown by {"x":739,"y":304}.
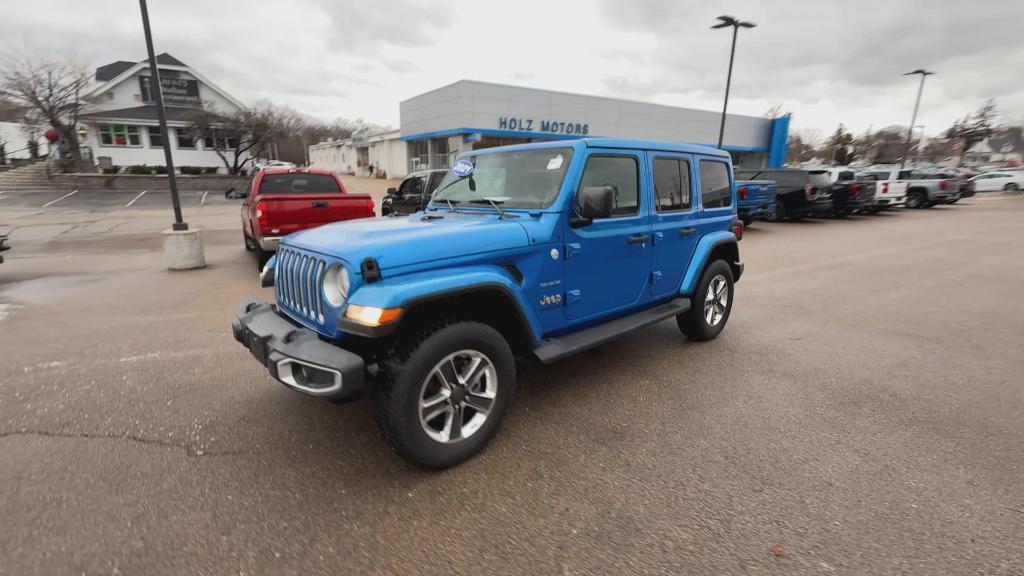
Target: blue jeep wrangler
{"x":538,"y":250}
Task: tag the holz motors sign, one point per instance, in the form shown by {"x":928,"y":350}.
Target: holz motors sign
{"x":548,"y":126}
{"x":174,"y":90}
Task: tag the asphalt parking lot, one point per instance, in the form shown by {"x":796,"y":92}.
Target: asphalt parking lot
{"x":863,"y":413}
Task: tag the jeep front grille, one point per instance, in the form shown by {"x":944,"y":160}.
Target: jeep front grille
{"x":297,"y":281}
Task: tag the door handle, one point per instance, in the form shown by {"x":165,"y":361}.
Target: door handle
{"x":687,"y":231}
{"x":638,"y":239}
{"x":319,"y":204}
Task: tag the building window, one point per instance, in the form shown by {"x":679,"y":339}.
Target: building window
{"x":185,"y":139}
{"x":119,"y":135}
{"x":715,"y":189}
{"x":156,"y":137}
{"x":219,"y":141}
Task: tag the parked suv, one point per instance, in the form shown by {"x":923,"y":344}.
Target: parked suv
{"x":539,"y":250}
{"x":413,"y":194}
{"x":798,"y":193}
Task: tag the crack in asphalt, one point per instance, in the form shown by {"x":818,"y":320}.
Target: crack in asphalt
{"x":190,"y":451}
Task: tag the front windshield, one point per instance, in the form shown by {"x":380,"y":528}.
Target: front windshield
{"x":514,"y":179}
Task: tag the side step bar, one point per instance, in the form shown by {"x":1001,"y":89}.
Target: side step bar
{"x":552,"y":349}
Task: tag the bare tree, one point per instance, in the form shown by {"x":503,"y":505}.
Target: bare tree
{"x":52,"y":88}
{"x":974,"y":128}
{"x":239,"y":137}
{"x":810,"y":136}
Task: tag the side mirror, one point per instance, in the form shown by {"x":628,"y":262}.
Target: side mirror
{"x":234,"y":194}
{"x":392,"y":192}
{"x":593,"y":203}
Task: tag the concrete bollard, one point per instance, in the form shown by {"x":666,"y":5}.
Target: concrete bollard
{"x":184,"y":249}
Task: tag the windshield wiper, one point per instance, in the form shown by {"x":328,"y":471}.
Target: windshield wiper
{"x":494,"y":203}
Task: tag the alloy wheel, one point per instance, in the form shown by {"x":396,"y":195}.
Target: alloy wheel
{"x":716,"y":301}
{"x":457,"y":396}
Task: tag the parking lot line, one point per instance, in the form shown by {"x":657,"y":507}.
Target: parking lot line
{"x":128,"y":205}
{"x":72,"y":193}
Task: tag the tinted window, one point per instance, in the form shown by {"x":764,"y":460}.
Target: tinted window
{"x":905,"y":175}
{"x":880,"y":175}
{"x":435,"y":179}
{"x":845,"y":175}
{"x":715,"y":190}
{"x":412,"y":186}
{"x":671,"y":184}
{"x":619,"y":172}
{"x":298,"y":183}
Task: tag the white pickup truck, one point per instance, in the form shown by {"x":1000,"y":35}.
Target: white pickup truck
{"x":909,"y":188}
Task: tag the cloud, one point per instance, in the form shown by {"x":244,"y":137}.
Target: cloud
{"x":805,"y":53}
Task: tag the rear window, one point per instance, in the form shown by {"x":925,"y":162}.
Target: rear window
{"x":845,"y":175}
{"x":298,"y":184}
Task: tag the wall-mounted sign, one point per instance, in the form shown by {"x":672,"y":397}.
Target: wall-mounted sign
{"x":549,"y":126}
{"x":174,"y":90}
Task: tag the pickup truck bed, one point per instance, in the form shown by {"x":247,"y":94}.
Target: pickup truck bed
{"x":282,"y":201}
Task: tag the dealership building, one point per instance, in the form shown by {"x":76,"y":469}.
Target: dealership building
{"x":437,"y":126}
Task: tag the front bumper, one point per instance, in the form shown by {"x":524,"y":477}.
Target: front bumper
{"x":270,"y":243}
{"x":296,"y":356}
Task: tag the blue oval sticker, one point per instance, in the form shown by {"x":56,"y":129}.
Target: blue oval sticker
{"x":462,"y":168}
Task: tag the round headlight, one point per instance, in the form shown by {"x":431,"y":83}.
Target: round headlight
{"x":336,"y":285}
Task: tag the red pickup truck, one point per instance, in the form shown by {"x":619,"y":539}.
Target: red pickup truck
{"x":280,"y":201}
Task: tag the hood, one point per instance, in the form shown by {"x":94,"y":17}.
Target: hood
{"x":406,"y":240}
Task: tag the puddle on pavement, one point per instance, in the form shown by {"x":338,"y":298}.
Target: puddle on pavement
{"x":7,"y":309}
{"x":43,"y":290}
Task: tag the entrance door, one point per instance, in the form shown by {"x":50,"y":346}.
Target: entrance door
{"x":673,"y":228}
{"x":608,"y":262}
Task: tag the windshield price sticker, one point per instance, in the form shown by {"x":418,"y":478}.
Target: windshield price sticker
{"x":462,"y":168}
{"x":555,"y":163}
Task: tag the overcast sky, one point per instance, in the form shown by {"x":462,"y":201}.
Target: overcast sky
{"x":826,"y":62}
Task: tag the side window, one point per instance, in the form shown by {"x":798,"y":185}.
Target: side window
{"x":411,"y":186}
{"x":715,"y":191}
{"x":671,"y":184}
{"x":621,"y":174}
{"x":435,"y":179}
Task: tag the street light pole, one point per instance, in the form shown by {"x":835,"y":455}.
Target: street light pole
{"x":913,"y":119}
{"x":155,"y":91}
{"x":736,"y":25}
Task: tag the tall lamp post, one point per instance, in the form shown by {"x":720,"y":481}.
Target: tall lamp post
{"x":156,"y":90}
{"x":182,"y":247}
{"x":736,"y":24}
{"x":913,"y":119}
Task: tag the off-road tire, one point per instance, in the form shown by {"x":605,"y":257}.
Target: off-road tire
{"x":777,"y":213}
{"x":249,"y":243}
{"x":396,"y":393}
{"x":916,"y":200}
{"x":693,"y":323}
{"x":262,"y":257}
